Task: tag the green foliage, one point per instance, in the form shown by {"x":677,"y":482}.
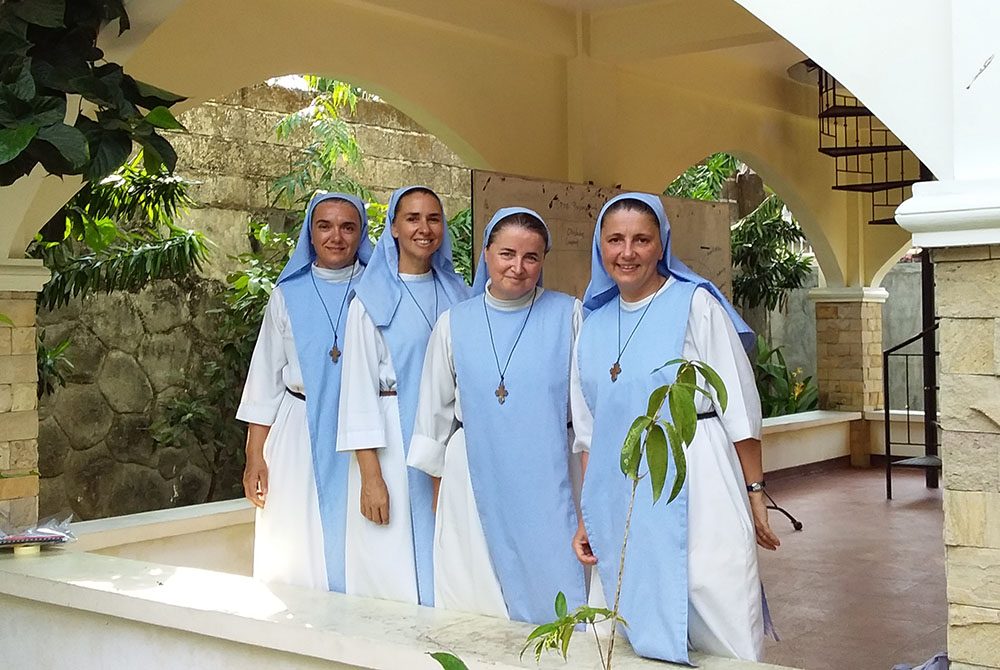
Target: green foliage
{"x":48,"y":52}
{"x":460,"y":229}
{"x":663,"y":440}
{"x":766,"y":267}
{"x":89,"y":248}
{"x":448,"y":661}
{"x":557,"y":634}
{"x":125,"y":266}
{"x":332,"y":156}
{"x":53,"y":365}
{"x":705,"y":180}
{"x":780,"y":389}
{"x":6,"y":319}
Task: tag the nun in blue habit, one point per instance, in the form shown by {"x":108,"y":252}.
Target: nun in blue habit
{"x":691,"y":577}
{"x":492,"y":425}
{"x":294,"y":475}
{"x":408,"y":283}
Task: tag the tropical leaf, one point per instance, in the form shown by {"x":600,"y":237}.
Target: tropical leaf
{"x":680,"y":461}
{"x":656,"y":400}
{"x":682,"y":412}
{"x":656,"y":458}
{"x":715,"y":381}
{"x":448,"y":661}
{"x":632,"y":448}
{"x":15,"y":140}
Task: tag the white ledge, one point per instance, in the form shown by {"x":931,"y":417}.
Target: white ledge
{"x":26,"y":275}
{"x":157,"y":524}
{"x":952,"y":213}
{"x":848,"y":294}
{"x":805,"y":420}
{"x":358,"y":632}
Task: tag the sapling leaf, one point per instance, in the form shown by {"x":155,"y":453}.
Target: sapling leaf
{"x":560,"y":605}
{"x":448,"y":661}
{"x":670,"y":362}
{"x":656,"y":458}
{"x":567,"y":634}
{"x":682,"y":411}
{"x":656,"y":400}
{"x":713,"y":378}
{"x":680,"y":461}
{"x":631,"y":449}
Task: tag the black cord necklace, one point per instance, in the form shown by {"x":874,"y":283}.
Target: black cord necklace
{"x":430,"y":324}
{"x":501,"y":392}
{"x":335,"y":352}
{"x":616,"y":369}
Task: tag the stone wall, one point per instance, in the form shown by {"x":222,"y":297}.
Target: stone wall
{"x":968,"y":304}
{"x":132,"y":353}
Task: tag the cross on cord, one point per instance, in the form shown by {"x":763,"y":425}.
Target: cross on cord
{"x":501,"y":393}
{"x":615,"y":371}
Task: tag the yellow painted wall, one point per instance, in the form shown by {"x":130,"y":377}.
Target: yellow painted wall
{"x":631,"y":95}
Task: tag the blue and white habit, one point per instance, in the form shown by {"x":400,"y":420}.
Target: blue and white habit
{"x":299,"y":535}
{"x":383,"y":360}
{"x":506,"y":514}
{"x":691,"y":575}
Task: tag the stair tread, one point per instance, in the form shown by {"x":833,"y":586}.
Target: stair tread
{"x":872,"y":187}
{"x":862,"y":150}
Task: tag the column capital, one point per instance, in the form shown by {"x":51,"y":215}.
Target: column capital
{"x":23,"y":274}
{"x":848,"y":294}
{"x":952,"y":213}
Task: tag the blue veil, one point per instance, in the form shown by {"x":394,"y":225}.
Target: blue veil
{"x":602,"y":287}
{"x":379,"y":289}
{"x":304,"y":254}
{"x":482,"y":273}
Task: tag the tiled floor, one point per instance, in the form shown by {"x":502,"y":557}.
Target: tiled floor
{"x":862,"y":586}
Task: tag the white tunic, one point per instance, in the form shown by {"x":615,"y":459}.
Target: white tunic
{"x":464,"y":578}
{"x":380,"y":559}
{"x":725,"y":616}
{"x":288,"y":533}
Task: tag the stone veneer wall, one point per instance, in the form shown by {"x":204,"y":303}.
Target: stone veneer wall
{"x":133,"y":352}
{"x":968,"y":304}
{"x":18,"y":421}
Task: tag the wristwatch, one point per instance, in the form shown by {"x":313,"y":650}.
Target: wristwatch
{"x":756,"y":487}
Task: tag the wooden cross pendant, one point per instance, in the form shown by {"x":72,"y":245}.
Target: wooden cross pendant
{"x":615,"y":371}
{"x":501,"y":393}
{"x":335,"y":353}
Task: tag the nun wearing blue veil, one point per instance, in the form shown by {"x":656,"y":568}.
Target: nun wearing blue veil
{"x":691,"y":575}
{"x":293,"y":474}
{"x":409,"y":282}
{"x":492,"y":425}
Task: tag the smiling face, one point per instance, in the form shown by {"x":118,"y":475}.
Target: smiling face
{"x":514,"y":258}
{"x":336,"y":233}
{"x":630,"y":249}
{"x":418,"y":226}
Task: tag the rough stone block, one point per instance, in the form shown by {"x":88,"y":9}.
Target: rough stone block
{"x":5,"y":332}
{"x":955,"y":254}
{"x":974,"y":576}
{"x":973,"y":634}
{"x":124,"y":384}
{"x":970,"y":402}
{"x":4,"y":456}
{"x":87,"y":352}
{"x":20,"y":311}
{"x":164,"y":358}
{"x":24,"y":454}
{"x":24,"y":396}
{"x":971,"y":460}
{"x":53,"y":445}
{"x":972,"y":519}
{"x":967,"y":346}
{"x":82,"y":413}
{"x":954,"y":665}
{"x":22,"y":486}
{"x":969,"y":289}
{"x":19,"y":425}
{"x":20,"y":368}
{"x":6,"y":397}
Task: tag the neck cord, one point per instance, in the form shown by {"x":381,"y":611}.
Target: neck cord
{"x":414,"y":299}
{"x":621,"y":349}
{"x":335,"y":352}
{"x":489,"y":326}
